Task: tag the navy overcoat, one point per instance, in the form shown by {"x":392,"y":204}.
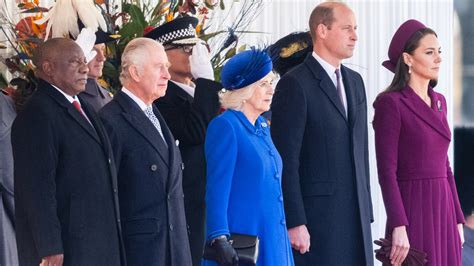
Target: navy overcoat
{"x":326,"y":181}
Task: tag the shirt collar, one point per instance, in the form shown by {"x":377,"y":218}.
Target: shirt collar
{"x":330,"y":69}
{"x":68,"y":97}
{"x":188,"y":89}
{"x":137,"y":100}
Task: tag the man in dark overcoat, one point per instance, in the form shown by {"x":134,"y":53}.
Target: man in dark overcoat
{"x":319,"y":126}
{"x":148,"y":161}
{"x":190,"y":103}
{"x":65,"y":181}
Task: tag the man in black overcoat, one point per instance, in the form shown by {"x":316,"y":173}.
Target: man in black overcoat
{"x":319,"y":126}
{"x":190,"y":103}
{"x":65,"y":181}
{"x":148,"y":161}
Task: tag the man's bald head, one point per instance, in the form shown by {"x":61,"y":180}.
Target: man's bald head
{"x":61,"y":62}
{"x":51,"y":50}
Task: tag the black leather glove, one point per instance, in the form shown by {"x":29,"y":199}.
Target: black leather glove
{"x":226,"y":254}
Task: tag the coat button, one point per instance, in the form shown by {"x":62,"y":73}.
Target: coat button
{"x":182,"y":166}
{"x":171,"y":227}
{"x":280,"y":198}
{"x":271,"y":153}
{"x":153,"y":167}
{"x":115,"y":190}
{"x":277,"y":175}
{"x":283,"y":222}
{"x":110,"y":161}
{"x":168,"y":197}
{"x":118,"y":220}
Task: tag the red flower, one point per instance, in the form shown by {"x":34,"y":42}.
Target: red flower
{"x":148,"y":29}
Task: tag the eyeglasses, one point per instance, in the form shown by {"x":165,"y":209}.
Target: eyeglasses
{"x":186,"y":48}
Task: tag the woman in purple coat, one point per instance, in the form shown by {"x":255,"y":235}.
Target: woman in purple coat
{"x":412,"y":137}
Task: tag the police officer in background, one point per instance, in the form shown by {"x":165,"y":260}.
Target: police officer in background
{"x":189,"y":105}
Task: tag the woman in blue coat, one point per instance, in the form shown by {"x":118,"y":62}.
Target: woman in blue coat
{"x":243,"y":193}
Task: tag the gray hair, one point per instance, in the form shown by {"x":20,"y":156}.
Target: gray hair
{"x":136,"y":53}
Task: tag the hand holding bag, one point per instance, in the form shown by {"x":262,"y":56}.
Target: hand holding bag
{"x":246,"y":247}
{"x":414,"y":258}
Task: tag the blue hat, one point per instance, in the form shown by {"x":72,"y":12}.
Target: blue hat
{"x":245,"y":68}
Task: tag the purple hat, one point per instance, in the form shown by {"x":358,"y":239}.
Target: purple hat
{"x":399,"y":40}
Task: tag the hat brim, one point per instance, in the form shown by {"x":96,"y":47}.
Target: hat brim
{"x":389,"y":65}
{"x":186,"y":41}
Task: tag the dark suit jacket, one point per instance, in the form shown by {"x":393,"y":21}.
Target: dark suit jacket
{"x":464,"y":168}
{"x":150,"y":185}
{"x":188,"y":119}
{"x":65,"y":183}
{"x":8,"y":252}
{"x":325,"y":178}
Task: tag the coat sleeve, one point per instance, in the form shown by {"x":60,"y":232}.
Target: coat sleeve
{"x":287,"y":130}
{"x":188,"y":121}
{"x":35,"y":160}
{"x":221,"y":156}
{"x":387,"y":123}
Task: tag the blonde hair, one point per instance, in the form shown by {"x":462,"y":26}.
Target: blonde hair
{"x":235,"y":99}
{"x":136,"y":53}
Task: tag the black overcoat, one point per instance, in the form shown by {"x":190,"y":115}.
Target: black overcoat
{"x":65,"y":183}
{"x":150,"y":185}
{"x":325,"y":178}
{"x":188,"y":118}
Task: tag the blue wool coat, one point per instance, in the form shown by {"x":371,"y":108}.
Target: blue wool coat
{"x":243,"y":192}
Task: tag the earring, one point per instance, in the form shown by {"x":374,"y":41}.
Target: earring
{"x":244,"y":101}
{"x":409,"y":69}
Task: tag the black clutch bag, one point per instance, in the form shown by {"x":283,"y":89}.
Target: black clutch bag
{"x":246,"y":247}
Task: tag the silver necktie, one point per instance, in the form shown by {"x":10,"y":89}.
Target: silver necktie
{"x":154,"y":120}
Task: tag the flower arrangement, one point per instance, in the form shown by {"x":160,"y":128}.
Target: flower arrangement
{"x":130,"y":19}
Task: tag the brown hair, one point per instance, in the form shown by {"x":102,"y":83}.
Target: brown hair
{"x":322,"y":14}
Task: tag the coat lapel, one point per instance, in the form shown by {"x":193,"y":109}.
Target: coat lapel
{"x":325,"y":83}
{"x":172,"y":149}
{"x":142,"y":124}
{"x":350,"y":86}
{"x":61,"y":100}
{"x":416,"y":105}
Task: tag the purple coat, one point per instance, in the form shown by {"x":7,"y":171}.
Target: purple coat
{"x":418,"y":189}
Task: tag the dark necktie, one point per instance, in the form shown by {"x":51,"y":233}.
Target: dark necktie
{"x":339,"y":88}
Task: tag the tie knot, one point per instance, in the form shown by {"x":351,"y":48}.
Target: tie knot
{"x":338,"y":73}
{"x":77,"y":105}
{"x":149,"y":110}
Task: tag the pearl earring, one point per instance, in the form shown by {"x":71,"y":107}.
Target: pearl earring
{"x":409,"y":69}
{"x":244,"y":101}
